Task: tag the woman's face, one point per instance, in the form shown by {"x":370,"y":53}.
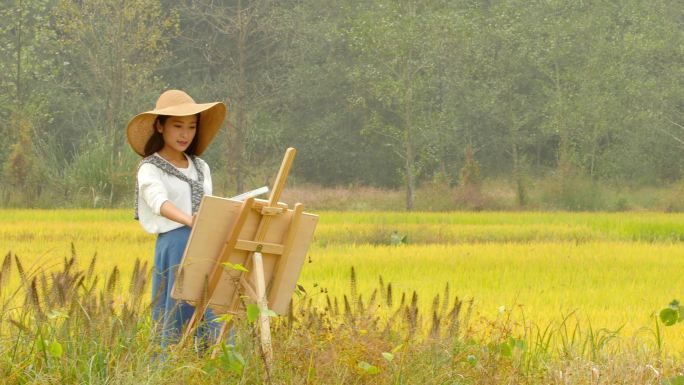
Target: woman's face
{"x":178,"y":132}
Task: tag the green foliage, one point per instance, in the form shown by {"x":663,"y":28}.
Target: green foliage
{"x":672,"y":201}
{"x":470,"y":172}
{"x":397,"y":239}
{"x":23,"y":170}
{"x":382,"y":93}
{"x":572,"y":192}
{"x":672,"y":314}
{"x":252,"y":312}
{"x":511,"y":346}
{"x":469,"y":194}
{"x":229,"y":359}
{"x":238,"y":53}
{"x":394,"y":50}
{"x":674,"y":380}
{"x":436,"y":194}
{"x":368,"y":368}
{"x":235,"y":266}
{"x":97,"y":178}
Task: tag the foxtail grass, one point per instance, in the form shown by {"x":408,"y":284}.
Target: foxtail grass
{"x":71,"y":325}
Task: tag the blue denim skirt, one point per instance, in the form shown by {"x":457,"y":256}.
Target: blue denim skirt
{"x":170,"y":315}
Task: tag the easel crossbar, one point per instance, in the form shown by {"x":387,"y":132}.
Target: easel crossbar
{"x":264,"y":247}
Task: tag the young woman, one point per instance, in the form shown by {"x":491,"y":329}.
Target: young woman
{"x":171,"y":181}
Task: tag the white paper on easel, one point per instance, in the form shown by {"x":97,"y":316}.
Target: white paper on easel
{"x":249,"y":194}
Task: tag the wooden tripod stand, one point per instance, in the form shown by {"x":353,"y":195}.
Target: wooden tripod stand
{"x":264,"y":236}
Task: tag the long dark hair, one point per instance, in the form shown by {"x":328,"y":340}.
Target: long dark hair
{"x":156,"y":141}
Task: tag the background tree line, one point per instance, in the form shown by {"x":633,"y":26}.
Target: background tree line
{"x":383,"y":93}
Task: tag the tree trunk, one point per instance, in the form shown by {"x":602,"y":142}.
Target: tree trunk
{"x":18,"y":74}
{"x":409,"y":165}
{"x":564,"y":166}
{"x":408,"y":121}
{"x":520,"y":190}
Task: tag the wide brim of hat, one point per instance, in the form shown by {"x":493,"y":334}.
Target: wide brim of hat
{"x":141,"y":127}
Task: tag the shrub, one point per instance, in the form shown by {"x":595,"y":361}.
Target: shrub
{"x":23,"y":169}
{"x":435,"y":195}
{"x":100,"y":178}
{"x":674,"y":199}
{"x":469,"y":194}
{"x":574,"y":192}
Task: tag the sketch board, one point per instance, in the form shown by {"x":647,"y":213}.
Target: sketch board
{"x":212,"y":225}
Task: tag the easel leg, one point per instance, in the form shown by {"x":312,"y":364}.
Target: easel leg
{"x":264,"y":322}
{"x":196,"y":318}
{"x":213,"y":279}
{"x":192,"y":325}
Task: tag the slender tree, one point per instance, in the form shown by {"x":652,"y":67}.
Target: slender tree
{"x":393,"y":67}
{"x":236,"y":55}
{"x":113,"y":50}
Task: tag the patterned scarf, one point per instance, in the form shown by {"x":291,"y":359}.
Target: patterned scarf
{"x":196,"y":186}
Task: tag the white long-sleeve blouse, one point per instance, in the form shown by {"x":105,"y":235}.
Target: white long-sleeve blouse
{"x":156,"y":187}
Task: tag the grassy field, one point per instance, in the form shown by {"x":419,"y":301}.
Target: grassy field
{"x":609,"y":269}
{"x":602,"y":276}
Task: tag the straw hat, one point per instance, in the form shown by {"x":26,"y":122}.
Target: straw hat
{"x":176,"y":103}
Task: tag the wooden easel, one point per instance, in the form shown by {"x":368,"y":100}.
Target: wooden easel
{"x":255,"y":247}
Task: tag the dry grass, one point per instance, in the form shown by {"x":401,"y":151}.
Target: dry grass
{"x":495,"y":195}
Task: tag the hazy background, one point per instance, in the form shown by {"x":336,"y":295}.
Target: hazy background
{"x":475,"y":104}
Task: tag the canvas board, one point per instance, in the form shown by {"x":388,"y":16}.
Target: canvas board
{"x":212,"y":225}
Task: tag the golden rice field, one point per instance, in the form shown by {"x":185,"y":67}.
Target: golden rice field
{"x":607,"y":270}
